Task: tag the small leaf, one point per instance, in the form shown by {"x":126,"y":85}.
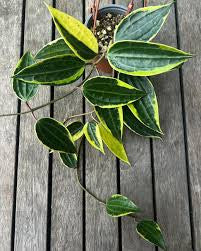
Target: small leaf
{"x":69,"y":159}
{"x":145,"y":109}
{"x":55,"y":48}
{"x":23,"y":90}
{"x":150,"y":231}
{"x":136,"y":126}
{"x":142,"y":24}
{"x":115,"y":146}
{"x":144,"y":59}
{"x":119,"y":205}
{"x":54,"y":135}
{"x":92,"y":133}
{"x":59,"y":70}
{"x":76,"y":130}
{"x":77,"y":36}
{"x":112,"y":119}
{"x":108,"y":92}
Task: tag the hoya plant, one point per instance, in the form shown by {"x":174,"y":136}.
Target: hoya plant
{"x":127,"y":100}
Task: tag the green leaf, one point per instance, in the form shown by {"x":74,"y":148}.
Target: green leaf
{"x":54,"y":135}
{"x":112,"y":119}
{"x":69,"y":159}
{"x":108,"y":92}
{"x":55,"y":48}
{"x":142,"y":24}
{"x":115,"y":146}
{"x":23,"y":90}
{"x":150,"y":231}
{"x":76,"y":129}
{"x":136,"y":126}
{"x":59,"y":70}
{"x":92,"y":133}
{"x":77,"y":36}
{"x":144,"y":59}
{"x":145,"y":109}
{"x":119,"y":205}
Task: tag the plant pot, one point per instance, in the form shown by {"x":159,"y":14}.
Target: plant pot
{"x":103,"y":65}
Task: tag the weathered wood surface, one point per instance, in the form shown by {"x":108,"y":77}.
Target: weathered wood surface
{"x":67,"y":201}
{"x":32,"y":179}
{"x":189,"y":22}
{"x":171,"y":189}
{"x":164,"y":178}
{"x":10,"y":35}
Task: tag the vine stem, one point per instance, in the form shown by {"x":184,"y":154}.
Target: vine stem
{"x":31,"y":110}
{"x":77,"y":115}
{"x":146,"y":2}
{"x":79,"y":179}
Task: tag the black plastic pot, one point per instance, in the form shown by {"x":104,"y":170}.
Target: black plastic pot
{"x":113,"y":9}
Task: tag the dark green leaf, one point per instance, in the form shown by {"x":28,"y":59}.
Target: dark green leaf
{"x":59,"y":70}
{"x":69,"y":159}
{"x":92,"y":133}
{"x":55,"y":48}
{"x":150,"y":231}
{"x":136,"y":126}
{"x":145,"y":109}
{"x":23,"y":90}
{"x":142,"y":24}
{"x":76,"y":130}
{"x":109,"y":92}
{"x":119,"y":205}
{"x":112,"y":119}
{"x":54,"y":135}
{"x":144,"y":59}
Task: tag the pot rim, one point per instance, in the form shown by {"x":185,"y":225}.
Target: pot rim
{"x":108,"y":6}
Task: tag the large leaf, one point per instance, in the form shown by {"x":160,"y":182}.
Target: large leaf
{"x":54,"y":135}
{"x":92,"y":133}
{"x":53,"y":49}
{"x":150,"y":231}
{"x":145,"y":59}
{"x":142,"y":24}
{"x":78,"y":37}
{"x":145,"y":109}
{"x":69,"y":159}
{"x":23,"y":90}
{"x":115,"y":146}
{"x":119,"y":205}
{"x":136,"y":126}
{"x":112,"y":119}
{"x":76,"y":129}
{"x":108,"y":92}
{"x":59,"y":70}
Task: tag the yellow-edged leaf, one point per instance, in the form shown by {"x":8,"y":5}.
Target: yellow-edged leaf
{"x":77,"y":36}
{"x":115,"y":146}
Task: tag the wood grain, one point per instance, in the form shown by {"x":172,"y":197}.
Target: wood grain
{"x":189,"y":14}
{"x":67,"y":200}
{"x":172,"y":202}
{"x":101,"y":178}
{"x":136,"y":183}
{"x":31,"y":205}
{"x":10,"y":23}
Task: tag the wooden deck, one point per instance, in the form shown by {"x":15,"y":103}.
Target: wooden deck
{"x":41,"y":206}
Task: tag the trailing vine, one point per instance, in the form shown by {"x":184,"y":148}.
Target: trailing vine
{"x":128,"y":100}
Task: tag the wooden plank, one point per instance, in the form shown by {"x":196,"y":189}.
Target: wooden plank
{"x":189,"y":14}
{"x":136,"y":183}
{"x":10,"y":23}
{"x":67,"y":200}
{"x":172,"y":202}
{"x":101,"y":178}
{"x":31,"y":207}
